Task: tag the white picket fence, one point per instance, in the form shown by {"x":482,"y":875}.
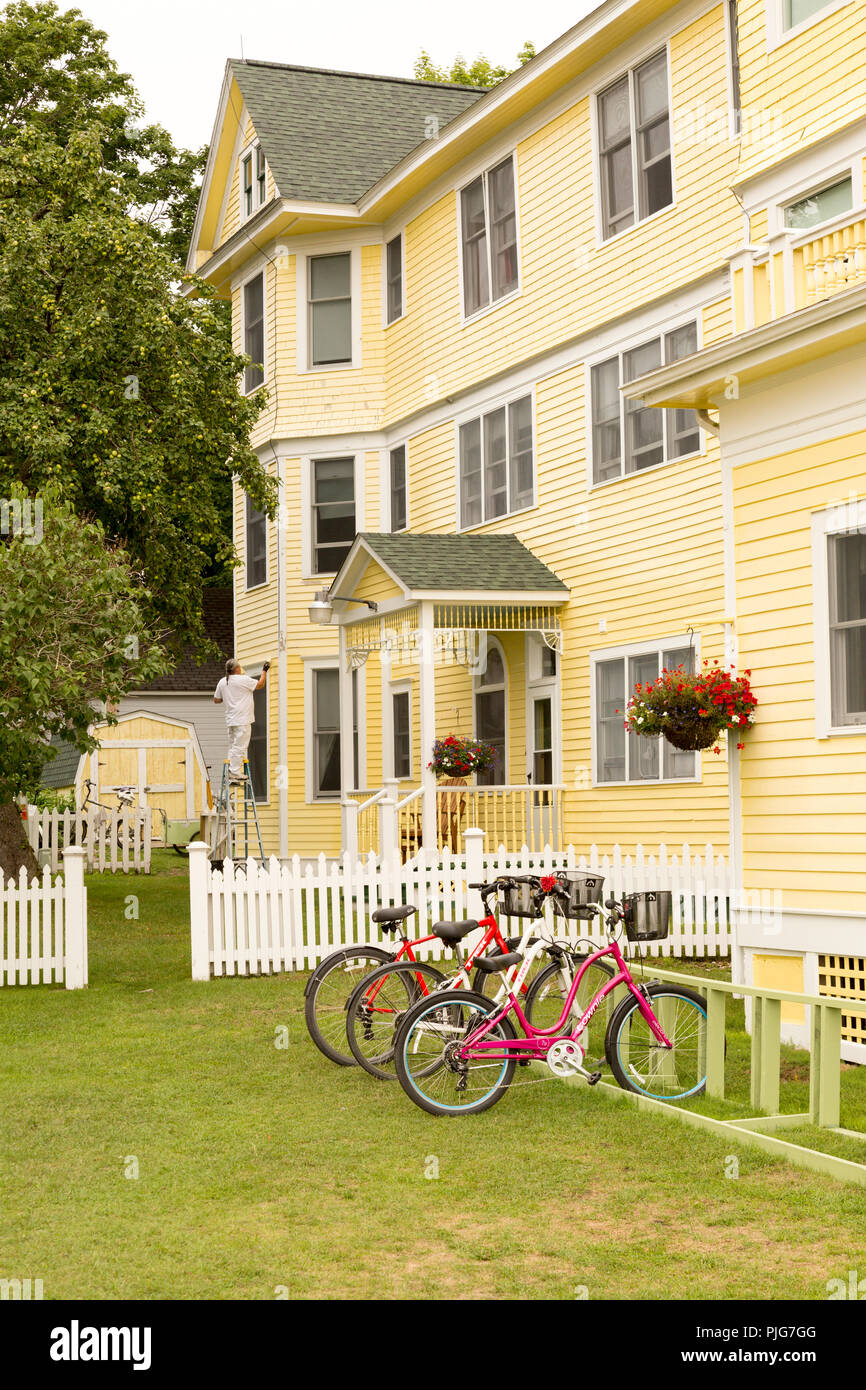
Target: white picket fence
{"x":117,"y":841}
{"x":250,"y":918}
{"x":43,"y":926}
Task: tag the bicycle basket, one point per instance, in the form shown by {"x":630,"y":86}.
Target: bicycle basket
{"x":519,"y":901}
{"x":583,"y":887}
{"x":647,"y":916}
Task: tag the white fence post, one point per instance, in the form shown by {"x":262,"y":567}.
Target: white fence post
{"x":350,"y":827}
{"x":473,"y":839}
{"x":74,"y":919}
{"x":199,"y":909}
{"x":388,"y":828}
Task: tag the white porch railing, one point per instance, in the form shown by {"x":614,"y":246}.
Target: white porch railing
{"x":117,"y":841}
{"x":256,"y":919}
{"x":43,"y":926}
{"x":387,"y":822}
{"x":796,"y":268}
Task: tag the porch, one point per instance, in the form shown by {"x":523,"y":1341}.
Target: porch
{"x":463,"y":636}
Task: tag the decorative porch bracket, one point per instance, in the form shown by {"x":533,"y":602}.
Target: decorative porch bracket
{"x":760,"y":1131}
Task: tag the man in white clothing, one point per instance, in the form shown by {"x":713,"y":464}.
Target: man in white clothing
{"x":235,"y":691}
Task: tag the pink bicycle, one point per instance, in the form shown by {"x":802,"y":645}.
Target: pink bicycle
{"x":456,"y":1053}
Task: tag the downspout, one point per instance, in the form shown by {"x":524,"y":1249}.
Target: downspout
{"x":735,"y":823}
{"x":282,"y":667}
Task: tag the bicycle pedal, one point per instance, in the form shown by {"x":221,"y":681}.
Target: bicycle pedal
{"x":593,"y":1078}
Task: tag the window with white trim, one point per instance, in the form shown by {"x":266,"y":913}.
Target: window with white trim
{"x":256,"y":534}
{"x":626,"y":435}
{"x":488,"y":234}
{"x":253,"y":180}
{"x":846,"y":559}
{"x":254,"y":332}
{"x":401,"y":708}
{"x":329,"y":303}
{"x":397,"y":480}
{"x":497,"y":471}
{"x":830,"y":201}
{"x":795,"y":12}
{"x":257,"y":753}
{"x":634,"y":141}
{"x":326,"y":732}
{"x":333,"y":520}
{"x":621,"y":756}
{"x":394,"y":279}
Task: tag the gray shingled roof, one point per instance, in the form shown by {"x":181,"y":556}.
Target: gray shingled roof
{"x":60,"y":772}
{"x":219,"y":625}
{"x":497,"y":562}
{"x":329,"y":136}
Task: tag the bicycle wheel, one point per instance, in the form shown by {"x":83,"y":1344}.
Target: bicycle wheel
{"x":549,"y":991}
{"x":326,"y":996}
{"x":642,"y":1064}
{"x":427,"y":1068}
{"x":376,"y":1008}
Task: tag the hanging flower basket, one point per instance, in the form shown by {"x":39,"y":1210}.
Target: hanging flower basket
{"x":691,"y":711}
{"x":460,"y":757}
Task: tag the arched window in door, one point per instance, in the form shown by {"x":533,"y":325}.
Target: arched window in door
{"x":491,"y":702}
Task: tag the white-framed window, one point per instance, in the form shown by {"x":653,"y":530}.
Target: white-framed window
{"x":788,"y":18}
{"x":397,"y":485}
{"x":253,"y":180}
{"x":620,"y":756}
{"x":820,"y":205}
{"x":329,"y":309}
{"x":542,"y":715}
{"x":256,"y":545}
{"x":839,"y":579}
{"x":634,"y":146}
{"x":490,"y":689}
{"x":496,"y":460}
{"x":488,"y":237}
{"x":257,"y":753}
{"x":325,"y":748}
{"x":401,"y":730}
{"x":626,"y":435}
{"x":333,"y":521}
{"x":253,"y":310}
{"x":394,"y":279}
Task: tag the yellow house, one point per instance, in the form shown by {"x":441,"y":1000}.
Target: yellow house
{"x":443,"y":291}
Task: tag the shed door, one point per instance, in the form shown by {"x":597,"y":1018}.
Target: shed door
{"x":169,"y":780}
{"x":116,"y":767}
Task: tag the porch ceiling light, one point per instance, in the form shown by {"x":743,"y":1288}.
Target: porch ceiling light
{"x":321,"y":610}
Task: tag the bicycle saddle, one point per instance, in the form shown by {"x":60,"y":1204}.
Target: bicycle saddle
{"x":392,"y":915}
{"x":491,"y":963}
{"x":452,"y":931}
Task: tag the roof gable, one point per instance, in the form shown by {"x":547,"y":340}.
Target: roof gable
{"x":427,"y":562}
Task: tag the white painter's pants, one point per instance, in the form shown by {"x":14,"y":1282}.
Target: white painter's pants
{"x":239,"y":742}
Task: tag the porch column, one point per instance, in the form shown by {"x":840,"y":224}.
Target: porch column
{"x":427,"y":698}
{"x":347,"y":772}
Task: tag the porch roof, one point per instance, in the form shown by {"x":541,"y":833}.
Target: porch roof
{"x":425,"y":563}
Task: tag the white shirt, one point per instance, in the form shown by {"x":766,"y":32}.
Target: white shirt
{"x":237,"y":696}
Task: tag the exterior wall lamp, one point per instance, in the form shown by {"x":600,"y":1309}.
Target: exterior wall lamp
{"x":321,"y":609}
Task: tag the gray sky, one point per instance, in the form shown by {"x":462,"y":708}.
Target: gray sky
{"x":176,"y":49}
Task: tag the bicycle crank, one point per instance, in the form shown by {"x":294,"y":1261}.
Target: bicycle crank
{"x":565,"y":1058}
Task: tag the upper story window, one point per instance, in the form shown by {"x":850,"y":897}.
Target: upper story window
{"x":497,"y":473}
{"x":635,"y":146}
{"x":253,"y":180}
{"x":394,"y":279}
{"x":488,"y":228}
{"x":621,"y":756}
{"x":628,"y":436}
{"x":333,"y":513}
{"x":397,"y":465}
{"x":254,"y":332}
{"x":830,"y":201}
{"x":329,"y":300}
{"x":256,"y":535}
{"x":796,"y":12}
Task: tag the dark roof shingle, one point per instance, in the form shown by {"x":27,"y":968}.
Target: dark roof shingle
{"x":329,"y":136}
{"x":498,"y":562}
{"x":188,"y":675}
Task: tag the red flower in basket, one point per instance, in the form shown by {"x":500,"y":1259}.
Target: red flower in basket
{"x":548,"y":882}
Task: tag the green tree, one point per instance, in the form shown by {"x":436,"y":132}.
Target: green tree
{"x":57,"y":78}
{"x":479,"y":73}
{"x":73,"y":633}
{"x":114,"y":387}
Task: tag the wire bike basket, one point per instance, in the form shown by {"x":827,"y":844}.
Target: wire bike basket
{"x":520,"y":900}
{"x":584,"y":890}
{"x":647,"y":916}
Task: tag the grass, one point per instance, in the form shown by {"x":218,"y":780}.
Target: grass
{"x":262,"y":1169}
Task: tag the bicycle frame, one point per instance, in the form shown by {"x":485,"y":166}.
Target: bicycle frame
{"x":492,"y":936}
{"x":537,"y":1042}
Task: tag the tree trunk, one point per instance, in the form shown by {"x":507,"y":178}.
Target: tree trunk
{"x":14,"y":847}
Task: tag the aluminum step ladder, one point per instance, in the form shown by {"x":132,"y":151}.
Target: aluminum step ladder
{"x":236,"y":817}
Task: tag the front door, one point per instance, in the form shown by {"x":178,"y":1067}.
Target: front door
{"x":490,"y":715}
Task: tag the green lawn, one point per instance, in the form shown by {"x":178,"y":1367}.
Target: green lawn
{"x":262,"y":1168}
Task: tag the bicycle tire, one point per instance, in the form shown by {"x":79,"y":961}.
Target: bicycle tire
{"x":659,"y":1079}
{"x":359,"y":1026}
{"x":410,"y":1077}
{"x":328,"y":1037}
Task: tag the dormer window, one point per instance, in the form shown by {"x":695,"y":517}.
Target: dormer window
{"x":253,"y":180}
